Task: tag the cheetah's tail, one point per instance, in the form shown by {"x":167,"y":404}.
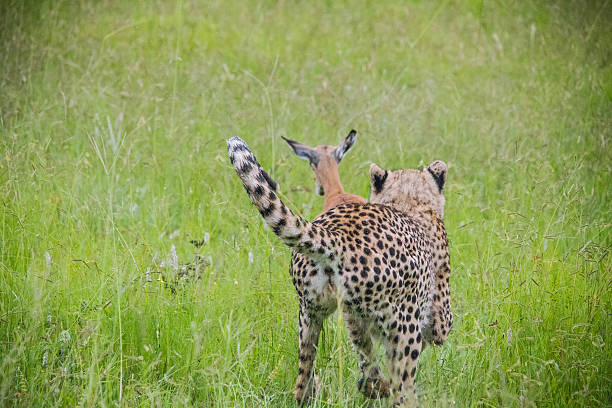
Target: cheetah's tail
{"x":292,"y":229}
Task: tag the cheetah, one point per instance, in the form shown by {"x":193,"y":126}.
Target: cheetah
{"x":386,"y":262}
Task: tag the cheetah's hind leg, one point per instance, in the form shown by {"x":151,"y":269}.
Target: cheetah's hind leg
{"x":307,"y":384}
{"x":403,"y":352}
{"x":372,"y":384}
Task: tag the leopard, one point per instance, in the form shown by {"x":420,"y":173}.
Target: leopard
{"x":385,"y":264}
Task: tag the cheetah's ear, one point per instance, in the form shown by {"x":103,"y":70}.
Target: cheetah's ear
{"x":345,"y":146}
{"x":378,"y":177}
{"x":303,"y":151}
{"x":438,"y":170}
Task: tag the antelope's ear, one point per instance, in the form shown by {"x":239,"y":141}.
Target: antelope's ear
{"x":438,"y":170}
{"x":378,"y":177}
{"x":345,"y":146}
{"x":302,"y":151}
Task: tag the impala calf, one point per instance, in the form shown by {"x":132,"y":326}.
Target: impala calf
{"x":324,"y":160}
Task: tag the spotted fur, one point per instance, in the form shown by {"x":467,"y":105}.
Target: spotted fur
{"x":386,"y":262}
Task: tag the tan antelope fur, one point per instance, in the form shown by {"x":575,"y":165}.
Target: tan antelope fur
{"x":324,"y":161}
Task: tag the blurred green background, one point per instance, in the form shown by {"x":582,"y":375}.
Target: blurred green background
{"x":113,"y":120}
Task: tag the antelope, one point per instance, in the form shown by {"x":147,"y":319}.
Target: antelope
{"x":324,"y":161}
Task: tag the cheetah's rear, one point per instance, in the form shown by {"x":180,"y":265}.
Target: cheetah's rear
{"x":387,"y":260}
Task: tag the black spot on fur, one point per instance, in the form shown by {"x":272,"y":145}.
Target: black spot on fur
{"x":264,"y":177}
{"x":278,"y":228}
{"x":266,"y":212}
{"x":258,"y":191}
{"x":246,"y":167}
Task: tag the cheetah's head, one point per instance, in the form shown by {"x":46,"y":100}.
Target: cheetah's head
{"x":400,"y":188}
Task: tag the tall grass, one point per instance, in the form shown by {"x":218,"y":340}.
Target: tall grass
{"x":112,"y":159}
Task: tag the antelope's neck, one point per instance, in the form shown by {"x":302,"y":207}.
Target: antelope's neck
{"x":330,"y":179}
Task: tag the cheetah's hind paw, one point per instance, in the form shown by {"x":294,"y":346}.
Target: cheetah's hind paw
{"x":373,"y":387}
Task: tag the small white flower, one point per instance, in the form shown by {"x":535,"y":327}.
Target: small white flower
{"x":498,"y":43}
{"x":48,"y":260}
{"x":172,"y":258}
{"x":45,"y":357}
{"x":64,"y":336}
{"x":206,"y":238}
{"x":250,"y":257}
{"x":174,"y":234}
{"x":509,"y":336}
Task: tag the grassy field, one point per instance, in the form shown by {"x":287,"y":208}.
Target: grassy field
{"x":113,"y":123}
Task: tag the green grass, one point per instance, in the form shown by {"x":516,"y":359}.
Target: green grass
{"x":112,"y":128}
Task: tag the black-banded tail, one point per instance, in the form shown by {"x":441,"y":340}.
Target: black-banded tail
{"x":292,"y":229}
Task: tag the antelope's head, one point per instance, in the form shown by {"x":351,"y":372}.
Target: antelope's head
{"x":324,"y":159}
